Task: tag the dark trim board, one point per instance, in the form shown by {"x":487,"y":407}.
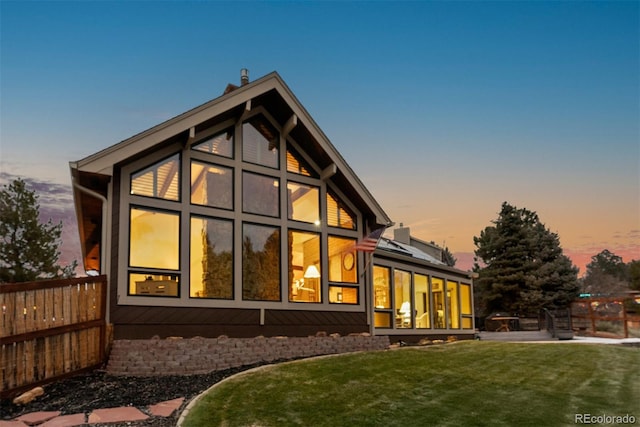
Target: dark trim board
{"x":134,"y":322}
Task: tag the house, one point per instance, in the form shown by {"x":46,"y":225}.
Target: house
{"x":240,"y":218}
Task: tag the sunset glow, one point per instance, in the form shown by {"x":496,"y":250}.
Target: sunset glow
{"x":444,"y":110}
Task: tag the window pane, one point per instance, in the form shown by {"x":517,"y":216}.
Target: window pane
{"x":381,"y":320}
{"x":338,"y":215}
{"x":260,"y":194}
{"x":343,"y":260}
{"x":260,"y":263}
{"x":437,"y":286}
{"x":304,"y":203}
{"x":296,"y":164}
{"x":260,"y":142}
{"x":211,"y":258}
{"x":465,"y":298}
{"x":467,"y":323}
{"x":304,"y":267}
{"x":382,"y":287}
{"x":155,"y":238}
{"x":154,"y":285}
{"x":220,"y":144}
{"x":211,"y":185}
{"x":422,"y":301}
{"x":452,"y":304}
{"x":402,"y":287}
{"x":161,"y":180}
{"x":343,"y":295}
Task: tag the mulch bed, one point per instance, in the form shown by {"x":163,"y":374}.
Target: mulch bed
{"x":97,"y":390}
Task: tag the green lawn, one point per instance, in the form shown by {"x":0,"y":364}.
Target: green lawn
{"x":461,"y":384}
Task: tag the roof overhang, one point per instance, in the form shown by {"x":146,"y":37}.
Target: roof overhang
{"x":407,"y":259}
{"x":269,"y":91}
{"x":95,"y":171}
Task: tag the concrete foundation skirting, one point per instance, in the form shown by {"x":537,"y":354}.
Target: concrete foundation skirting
{"x":177,"y":356}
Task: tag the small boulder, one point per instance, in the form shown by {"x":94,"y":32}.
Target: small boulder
{"x":28,"y":396}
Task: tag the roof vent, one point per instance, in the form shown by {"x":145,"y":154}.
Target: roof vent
{"x":244,"y":77}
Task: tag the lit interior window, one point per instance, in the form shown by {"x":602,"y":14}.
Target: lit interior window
{"x":343,"y":265}
{"x":338,"y":215}
{"x":437,"y":286}
{"x":305,"y":279}
{"x":402,"y":293}
{"x":382,"y":287}
{"x":304,"y":203}
{"x":421,"y":285}
{"x":154,"y":285}
{"x":343,"y":295}
{"x":295,"y":164}
{"x":220,"y":144}
{"x":452,"y":304}
{"x":154,"y":241}
{"x":161,"y":180}
{"x":382,"y":319}
{"x":465,"y":306}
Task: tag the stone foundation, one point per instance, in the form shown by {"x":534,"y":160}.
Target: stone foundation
{"x":177,"y":356}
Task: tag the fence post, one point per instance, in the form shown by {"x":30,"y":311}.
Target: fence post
{"x":592,"y":317}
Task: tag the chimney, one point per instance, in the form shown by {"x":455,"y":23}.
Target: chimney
{"x":244,"y":77}
{"x":402,"y":235}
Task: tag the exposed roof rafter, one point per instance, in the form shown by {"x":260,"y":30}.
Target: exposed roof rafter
{"x":289,"y":125}
{"x":328,"y":172}
{"x":239,"y":100}
{"x":247,"y":110}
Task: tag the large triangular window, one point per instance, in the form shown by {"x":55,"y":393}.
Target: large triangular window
{"x":161,"y":180}
{"x":338,"y":214}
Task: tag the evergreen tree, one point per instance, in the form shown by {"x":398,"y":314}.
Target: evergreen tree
{"x":28,"y":249}
{"x":607,"y":274}
{"x":524,"y":268}
{"x":448,"y":258}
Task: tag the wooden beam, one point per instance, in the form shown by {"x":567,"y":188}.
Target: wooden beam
{"x":192,"y":136}
{"x":247,"y":110}
{"x":328,"y":172}
{"x":288,"y":127}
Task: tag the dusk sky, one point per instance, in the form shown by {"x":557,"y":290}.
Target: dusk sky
{"x":443,"y":109}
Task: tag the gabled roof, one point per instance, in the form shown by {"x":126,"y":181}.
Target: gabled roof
{"x":270,"y":92}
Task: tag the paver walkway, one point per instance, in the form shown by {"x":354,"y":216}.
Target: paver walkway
{"x":98,"y":416}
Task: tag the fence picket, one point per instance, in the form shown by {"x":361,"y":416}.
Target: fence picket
{"x":40,"y":311}
{"x":31,"y":351}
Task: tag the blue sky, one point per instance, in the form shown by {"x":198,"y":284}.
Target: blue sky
{"x":444,"y":109}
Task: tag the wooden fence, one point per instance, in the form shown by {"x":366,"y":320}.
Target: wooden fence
{"x":605,"y":315}
{"x":50,"y":329}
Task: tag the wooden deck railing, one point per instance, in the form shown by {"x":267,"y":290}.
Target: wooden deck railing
{"x":605,"y":314}
{"x":50,"y":329}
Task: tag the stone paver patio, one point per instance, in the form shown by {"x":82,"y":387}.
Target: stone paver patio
{"x":98,"y":416}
